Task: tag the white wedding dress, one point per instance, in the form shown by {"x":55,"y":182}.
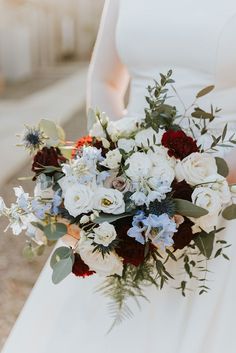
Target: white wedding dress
{"x":197,"y":40}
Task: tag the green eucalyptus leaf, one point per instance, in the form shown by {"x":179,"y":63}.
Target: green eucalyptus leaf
{"x":59,"y":254}
{"x":205,"y":243}
{"x":55,"y":231}
{"x":205,"y":91}
{"x":188,"y":209}
{"x":222,"y":167}
{"x":229,"y":212}
{"x":28,"y":253}
{"x":62,"y":269}
{"x":111,"y":218}
{"x":38,"y":225}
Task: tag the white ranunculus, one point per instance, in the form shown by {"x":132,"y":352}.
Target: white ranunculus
{"x":97,"y":131}
{"x":126,"y":144}
{"x":146,"y":137}
{"x":210,"y":200}
{"x":163,"y":171}
{"x":219,"y":183}
{"x":104,"y":234}
{"x":113,"y":159}
{"x":106,"y":265}
{"x":195,"y":168}
{"x":140,"y":166}
{"x":109,"y":201}
{"x":78,"y":199}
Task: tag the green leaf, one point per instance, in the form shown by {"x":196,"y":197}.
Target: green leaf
{"x":38,"y":225}
{"x":205,"y":91}
{"x":205,"y":243}
{"x":28,"y":253}
{"x":59,"y":254}
{"x":201,"y":114}
{"x":62,"y":269}
{"x":55,"y":231}
{"x":222,"y":167}
{"x":188,"y":209}
{"x":229,"y":212}
{"x":111,"y":218}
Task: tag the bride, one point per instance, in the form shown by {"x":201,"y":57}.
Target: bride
{"x":138,"y":40}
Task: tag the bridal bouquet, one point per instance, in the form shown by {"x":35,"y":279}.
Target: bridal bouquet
{"x":130,"y":198}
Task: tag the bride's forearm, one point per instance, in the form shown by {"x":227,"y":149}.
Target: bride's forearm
{"x":104,"y":97}
{"x":230,"y":158}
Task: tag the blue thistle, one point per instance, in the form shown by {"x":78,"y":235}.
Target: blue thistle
{"x":33,"y":139}
{"x":165,"y":206}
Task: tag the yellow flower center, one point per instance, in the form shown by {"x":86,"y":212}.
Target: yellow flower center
{"x":106,"y":202}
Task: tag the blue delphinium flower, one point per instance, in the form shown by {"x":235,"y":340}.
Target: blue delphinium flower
{"x":56,"y":202}
{"x":137,"y":229}
{"x":39,"y":208}
{"x":160,"y":229}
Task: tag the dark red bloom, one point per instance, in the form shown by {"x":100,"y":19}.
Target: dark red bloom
{"x":129,"y":249}
{"x":85,"y":140}
{"x":80,"y":269}
{"x":179,"y":144}
{"x":182,"y":190}
{"x":184,"y":235}
{"x":48,"y":156}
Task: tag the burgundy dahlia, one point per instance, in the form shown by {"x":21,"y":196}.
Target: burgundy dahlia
{"x":179,"y":144}
{"x":129,"y":249}
{"x":80,"y":269}
{"x":184,"y":235}
{"x":48,"y":156}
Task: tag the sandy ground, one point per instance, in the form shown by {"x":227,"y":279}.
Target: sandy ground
{"x":17,"y":276}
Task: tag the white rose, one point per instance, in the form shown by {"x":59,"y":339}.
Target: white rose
{"x":126,"y":144}
{"x":106,"y":265}
{"x":78,"y":199}
{"x":163,"y":170}
{"x":161,"y":151}
{"x":195,"y":168}
{"x":113,"y":159}
{"x":219,"y":183}
{"x":140,"y":166}
{"x":104,"y":234}
{"x":97,"y":131}
{"x":109,"y":201}
{"x":210,"y":200}
{"x":146,"y":137}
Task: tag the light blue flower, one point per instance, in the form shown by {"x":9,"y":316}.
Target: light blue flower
{"x":39,"y":208}
{"x":160,"y":229}
{"x":56,"y":202}
{"x":137,"y":229}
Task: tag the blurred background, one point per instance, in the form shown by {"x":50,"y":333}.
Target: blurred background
{"x":45,"y":48}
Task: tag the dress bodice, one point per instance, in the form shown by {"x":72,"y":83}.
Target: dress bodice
{"x":195,"y":39}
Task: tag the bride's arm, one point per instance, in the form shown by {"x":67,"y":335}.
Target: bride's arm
{"x":108,"y":78}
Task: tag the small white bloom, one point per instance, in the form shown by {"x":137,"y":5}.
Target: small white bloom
{"x":195,"y":168}
{"x":97,"y":131}
{"x":109,"y":201}
{"x":139,"y":198}
{"x":210,"y":200}
{"x":106,"y":265}
{"x":78,"y":199}
{"x":140,"y":166}
{"x":43,"y":193}
{"x":104,"y":234}
{"x":85,"y":219}
{"x":2,"y":206}
{"x":113,"y":159}
{"x":104,"y":119}
{"x":105,"y":143}
{"x":126,"y":144}
{"x":147,"y":137}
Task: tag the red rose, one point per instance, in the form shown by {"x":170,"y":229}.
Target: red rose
{"x":129,"y":249}
{"x":179,"y":144}
{"x":184,"y":235}
{"x":47,"y":157}
{"x":80,"y":269}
